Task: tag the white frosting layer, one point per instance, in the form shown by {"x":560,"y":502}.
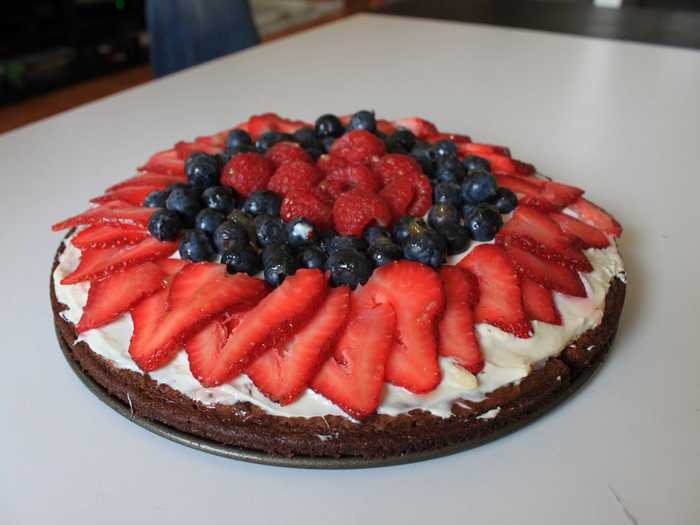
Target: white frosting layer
{"x":508,"y":358}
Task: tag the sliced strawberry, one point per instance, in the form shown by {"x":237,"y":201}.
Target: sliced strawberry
{"x":197,"y":293}
{"x":522,"y":185}
{"x":415,"y":292}
{"x":547,"y":273}
{"x":134,"y":195}
{"x":454,"y":137}
{"x":106,"y":236}
{"x":500,"y":295}
{"x":117,"y":293}
{"x":539,"y":302}
{"x":472,"y":148}
{"x":540,"y":193}
{"x":217,"y":139}
{"x":97,"y":263}
{"x":297,"y":174}
{"x":597,"y":217}
{"x":386,"y":127}
{"x":147,"y":178}
{"x":419,"y":127}
{"x":259,"y":124}
{"x":353,"y":377}
{"x":116,"y":213}
{"x":247,"y":173}
{"x":354,"y":210}
{"x":358,"y":147}
{"x":167,"y":162}
{"x":456,"y":328}
{"x":185,"y":149}
{"x":171,"y":266}
{"x":561,"y":195}
{"x":282,"y":373}
{"x":536,"y":232}
{"x":589,"y":236}
{"x":282,"y":311}
{"x":284,"y":152}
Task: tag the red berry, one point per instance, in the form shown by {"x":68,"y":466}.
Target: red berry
{"x":354,"y":176}
{"x":421,"y":128}
{"x":246,"y":173}
{"x":354,"y":210}
{"x":399,"y":194}
{"x":284,"y":152}
{"x":358,"y":147}
{"x":305,"y":203}
{"x":329,"y":163}
{"x":296,"y":174}
{"x":395,"y":166}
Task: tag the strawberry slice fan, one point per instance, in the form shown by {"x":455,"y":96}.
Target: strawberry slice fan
{"x":345,"y":313}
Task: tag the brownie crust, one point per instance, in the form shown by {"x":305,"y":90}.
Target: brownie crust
{"x":247,"y":426}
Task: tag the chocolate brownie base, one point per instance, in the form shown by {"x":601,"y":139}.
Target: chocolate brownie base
{"x":247,"y":426}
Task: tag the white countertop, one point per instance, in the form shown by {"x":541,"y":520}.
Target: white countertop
{"x":618,"y":119}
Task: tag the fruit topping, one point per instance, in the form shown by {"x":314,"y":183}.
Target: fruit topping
{"x":115,"y":213}
{"x":246,"y":173}
{"x":539,"y":302}
{"x":294,"y":175}
{"x":589,"y":236}
{"x":286,"y":152}
{"x":358,"y":147}
{"x":305,"y":203}
{"x":106,"y":236}
{"x":597,"y":217}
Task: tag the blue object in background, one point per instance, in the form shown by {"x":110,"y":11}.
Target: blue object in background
{"x":184,"y":33}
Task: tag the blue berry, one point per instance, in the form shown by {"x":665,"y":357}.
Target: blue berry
{"x":422,"y":152}
{"x":363,"y":120}
{"x":242,"y":260}
{"x":164,"y":225}
{"x":269,"y":230}
{"x":245,"y":220}
{"x":262,"y":202}
{"x":230,"y":235}
{"x":392,"y":146}
{"x":267,"y":140}
{"x":185,"y":201}
{"x":457,"y":238}
{"x":342,"y":242}
{"x":202,"y":170}
{"x":426,"y":248}
{"x":276,"y":250}
{"x":443,"y":215}
{"x":373,"y":233}
{"x":305,"y":137}
{"x":383,"y":251}
{"x":480,"y":186}
{"x":467,"y":210}
{"x":195,"y":246}
{"x":473,"y":163}
{"x":238,"y":137}
{"x":229,"y":153}
{"x":219,"y":198}
{"x":327,"y":143}
{"x":444,"y":149}
{"x":447,"y":193}
{"x":329,"y":126}
{"x":407,"y":227}
{"x":312,"y":257}
{"x":505,"y":200}
{"x":208,"y":221}
{"x":156,"y":199}
{"x":314,"y":151}
{"x":449,"y":169}
{"x":404,"y":138}
{"x":348,"y":268}
{"x":278,"y":265}
{"x":484,"y":222}
{"x":301,"y":232}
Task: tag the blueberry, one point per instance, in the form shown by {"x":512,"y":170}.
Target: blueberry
{"x":195,"y":246}
{"x":373,"y":233}
{"x":480,"y":186}
{"x":327,"y":143}
{"x":329,"y":126}
{"x":392,"y":146}
{"x":238,"y":137}
{"x":348,"y":268}
{"x":305,"y":137}
{"x":473,"y":163}
{"x":219,"y":198}
{"x":262,"y":202}
{"x":425,"y":247}
{"x":242,"y":260}
{"x":267,"y":140}
{"x":443,"y":215}
{"x":202,"y":170}
{"x":278,"y":266}
{"x":407,"y":227}
{"x":422,"y":152}
{"x":342,"y":242}
{"x":312,"y":257}
{"x":404,"y":138}
{"x":164,"y":225}
{"x":505,"y":200}
{"x":314,"y":152}
{"x":457,"y":237}
{"x":444,"y":149}
{"x":467,"y":210}
{"x":484,"y":222}
{"x":276,"y":250}
{"x":185,"y":201}
{"x":208,"y":221}
{"x":301,"y":232}
{"x":449,"y":169}
{"x":156,"y":199}
{"x":245,"y":220}
{"x":447,"y":193}
{"x":229,"y":235}
{"x":384,"y":251}
{"x":229,"y":153}
{"x":269,"y":230}
{"x":363,"y":120}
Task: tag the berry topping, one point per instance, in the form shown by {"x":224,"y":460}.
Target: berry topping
{"x":353,"y":177}
{"x":426,"y":248}
{"x":195,"y":246}
{"x":443,"y":150}
{"x":208,"y":221}
{"x":358,"y":147}
{"x":303,"y":203}
{"x":297,"y":174}
{"x":473,"y":163}
{"x":285,"y":152}
{"x":447,"y":193}
{"x":480,"y":186}
{"x":456,"y":328}
{"x":354,"y":210}
{"x":202,"y":170}
{"x":116,"y":213}
{"x":269,"y":230}
{"x":363,"y":120}
{"x":505,"y":200}
{"x":419,"y":127}
{"x":329,"y":126}
{"x":404,"y":138}
{"x":450,"y":169}
{"x":167,"y":162}
{"x":597,"y":217}
{"x":230,"y":235}
{"x":341,"y":242}
{"x":301,"y":232}
{"x":500,"y":296}
{"x":238,"y":137}
{"x":442,"y":216}
{"x":538,"y":302}
{"x":373,"y":233}
{"x":219,"y":198}
{"x":165,"y":225}
{"x":396,"y":166}
{"x":348,"y":268}
{"x":262,"y":202}
{"x":312,"y":257}
{"x":186,"y":202}
{"x":106,"y":236}
{"x":246,"y":173}
{"x":242,"y":259}
{"x":268,"y":139}
{"x":483,"y":222}
{"x":155,"y":199}
{"x":135,"y":195}
{"x":589,"y":236}
{"x":383,"y":251}
{"x":278,"y":263}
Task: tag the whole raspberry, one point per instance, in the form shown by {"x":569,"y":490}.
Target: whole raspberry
{"x":354,"y":210}
{"x":354,"y":176}
{"x":305,"y":203}
{"x":328,"y":163}
{"x":297,"y":174}
{"x":246,"y":173}
{"x":395,"y":165}
{"x":284,"y":152}
{"x":358,"y":147}
{"x":399,"y":195}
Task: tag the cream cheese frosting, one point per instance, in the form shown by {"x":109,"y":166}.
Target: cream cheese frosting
{"x":508,"y":358}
